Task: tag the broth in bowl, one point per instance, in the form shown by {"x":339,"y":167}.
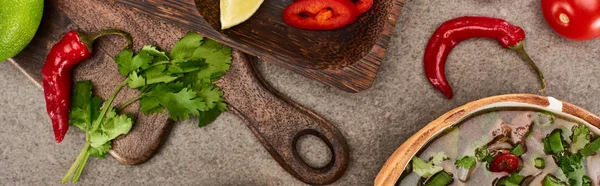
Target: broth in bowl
{"x":509,"y":147}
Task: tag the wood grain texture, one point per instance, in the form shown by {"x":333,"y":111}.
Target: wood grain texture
{"x":149,"y":131}
{"x":276,"y":121}
{"x":346,"y":58}
{"x":397,"y":162}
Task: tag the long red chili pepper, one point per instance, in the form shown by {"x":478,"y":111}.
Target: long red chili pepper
{"x":73,"y":48}
{"x":454,"y":31}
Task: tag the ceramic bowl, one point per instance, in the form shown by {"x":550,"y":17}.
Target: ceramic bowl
{"x":398,"y":161}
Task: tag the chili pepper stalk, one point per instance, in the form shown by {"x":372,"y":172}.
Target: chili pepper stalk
{"x":519,"y":48}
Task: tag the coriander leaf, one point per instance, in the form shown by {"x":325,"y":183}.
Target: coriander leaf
{"x":222,"y":106}
{"x":572,"y":166}
{"x":210,"y":93}
{"x":481,"y":153}
{"x":187,"y":66}
{"x":166,"y":88}
{"x":123,"y":60}
{"x":161,"y":79}
{"x":218,"y":58}
{"x":423,"y":168}
{"x":136,"y":81}
{"x":78,"y":117}
{"x":150,"y":105}
{"x":568,"y":163}
{"x":466,"y":162}
{"x":81,"y":113}
{"x":586,"y":181}
{"x":186,"y":46}
{"x":190,"y":79}
{"x":142,"y":60}
{"x":209,"y":43}
{"x":207,"y":117}
{"x":154,"y":51}
{"x":82,"y":93}
{"x":84,"y":106}
{"x":96,"y":104}
{"x":100,"y":151}
{"x":180,"y":102}
{"x":111,"y":127}
{"x":580,"y":138}
{"x":156,"y":74}
{"x":150,"y":101}
{"x":180,"y":105}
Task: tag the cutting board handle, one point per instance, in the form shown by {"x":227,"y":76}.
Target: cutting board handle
{"x":278,"y":123}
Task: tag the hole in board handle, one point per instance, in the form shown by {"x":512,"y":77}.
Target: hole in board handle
{"x":311,"y":148}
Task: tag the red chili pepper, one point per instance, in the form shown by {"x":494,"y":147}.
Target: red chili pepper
{"x":454,"y":31}
{"x":320,"y":14}
{"x":73,"y":48}
{"x":505,"y":163}
{"x":362,"y":5}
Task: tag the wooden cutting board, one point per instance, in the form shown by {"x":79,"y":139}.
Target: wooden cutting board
{"x":347,"y":58}
{"x":274,"y":119}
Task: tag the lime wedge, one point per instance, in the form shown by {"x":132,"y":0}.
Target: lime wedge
{"x":234,"y":12}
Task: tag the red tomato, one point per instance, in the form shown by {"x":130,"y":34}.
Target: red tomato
{"x":320,"y":14}
{"x":362,"y":5}
{"x":505,"y":163}
{"x":573,"y":19}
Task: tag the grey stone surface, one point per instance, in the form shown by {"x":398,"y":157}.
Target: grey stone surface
{"x":375,"y":122}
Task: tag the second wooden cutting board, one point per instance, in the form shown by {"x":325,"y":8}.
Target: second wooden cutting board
{"x":276,"y":121}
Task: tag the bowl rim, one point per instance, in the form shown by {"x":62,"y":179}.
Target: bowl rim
{"x":395,"y":164}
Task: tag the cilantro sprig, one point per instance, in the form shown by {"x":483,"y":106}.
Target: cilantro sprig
{"x":101,"y":124}
{"x":179,"y":81}
{"x":466,"y":162}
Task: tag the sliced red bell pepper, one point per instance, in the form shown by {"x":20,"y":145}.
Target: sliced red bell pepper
{"x":362,"y":5}
{"x":320,"y":14}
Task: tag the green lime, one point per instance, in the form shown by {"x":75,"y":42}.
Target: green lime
{"x":19,"y":20}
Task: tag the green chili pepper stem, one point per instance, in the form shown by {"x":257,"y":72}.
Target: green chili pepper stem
{"x":521,"y":50}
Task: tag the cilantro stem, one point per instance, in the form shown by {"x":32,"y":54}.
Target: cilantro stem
{"x":84,"y":155}
{"x":126,"y":104}
{"x":145,"y":89}
{"x":77,"y":162}
{"x":160,"y":63}
{"x":80,"y":169}
{"x":106,"y":105}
